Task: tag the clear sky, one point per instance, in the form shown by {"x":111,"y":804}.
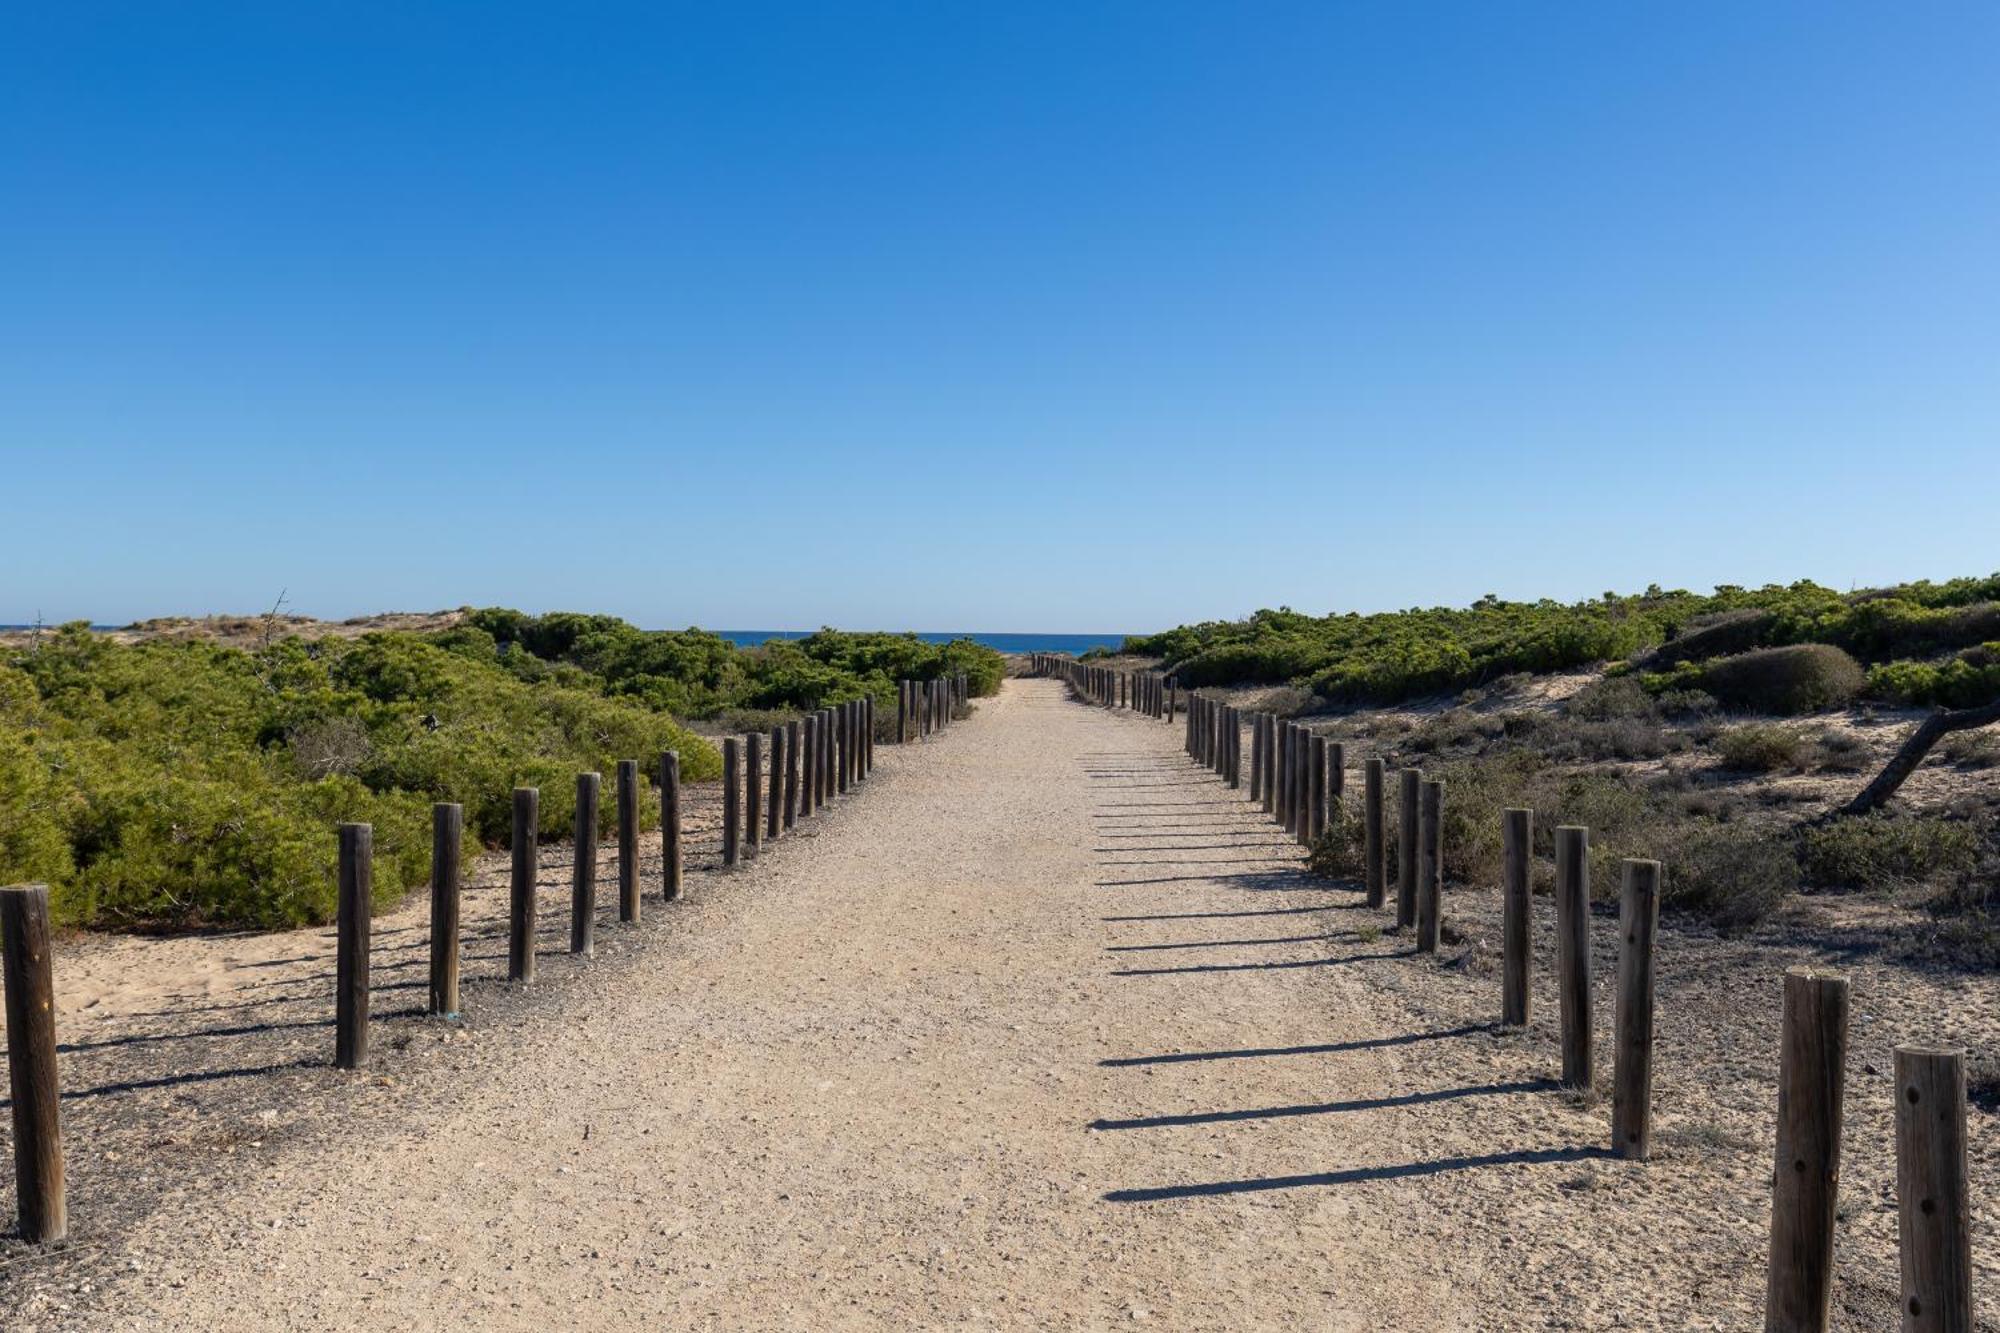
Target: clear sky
{"x":998,"y":316}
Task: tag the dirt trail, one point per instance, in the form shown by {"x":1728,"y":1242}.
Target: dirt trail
{"x":915,"y":1081}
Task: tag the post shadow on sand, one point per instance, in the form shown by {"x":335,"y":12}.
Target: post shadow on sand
{"x":1255,"y":911}
{"x":1250,"y":880}
{"x":1193,"y":968}
{"x":1328,"y":1108}
{"x":1317,"y":1048}
{"x":1357,"y":1175}
{"x":1334,"y":938}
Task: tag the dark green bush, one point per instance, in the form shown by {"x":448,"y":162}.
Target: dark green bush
{"x":1719,"y":635}
{"x":1801,"y":678}
{"x":1729,"y":876}
{"x":1967,"y":680}
{"x":1884,"y":852}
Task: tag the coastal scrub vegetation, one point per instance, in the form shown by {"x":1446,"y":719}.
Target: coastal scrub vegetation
{"x":176,"y":784}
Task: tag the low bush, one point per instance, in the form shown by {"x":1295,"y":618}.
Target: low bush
{"x":1973,"y":749}
{"x":1875,"y":853}
{"x":1968,"y":680}
{"x":1802,"y":678}
{"x":1730,"y":876}
{"x":1764,"y":748}
{"x":1722,"y":634}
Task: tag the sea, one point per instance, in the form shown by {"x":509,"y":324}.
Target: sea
{"x":1006,"y":643}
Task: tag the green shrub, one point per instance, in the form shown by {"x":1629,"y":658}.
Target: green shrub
{"x":1884,"y":852}
{"x":1802,"y":678}
{"x":1764,"y":748}
{"x":1973,"y":749}
{"x":1338,"y":852}
{"x":1719,"y":635}
{"x":1968,"y":680}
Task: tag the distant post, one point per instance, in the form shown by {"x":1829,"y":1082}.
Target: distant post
{"x":670,"y":825}
{"x":792,"y":729}
{"x":521,"y":894}
{"x":1517,"y":838}
{"x":732,"y":797}
{"x":1430,"y":866}
{"x":1374,"y":843}
{"x":583,"y":868}
{"x":774,"y":807}
{"x":628,"y":839}
{"x":753,"y":793}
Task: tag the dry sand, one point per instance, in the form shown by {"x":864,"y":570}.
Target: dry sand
{"x":1043,"y":1030}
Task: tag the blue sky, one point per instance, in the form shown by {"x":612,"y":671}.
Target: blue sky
{"x":996,"y":316}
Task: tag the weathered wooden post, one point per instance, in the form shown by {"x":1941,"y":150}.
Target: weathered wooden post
{"x":868,"y":731}
{"x":774,"y":805}
{"x":1517,"y":840}
{"x":447,"y":839}
{"x":753,"y":792}
{"x":1573,"y":953}
{"x":1632,"y":1069}
{"x":670,"y":825}
{"x":732,"y":798}
{"x":628,"y":839}
{"x":1315,"y":822}
{"x":791,"y":774}
{"x":526,"y":868}
{"x":583,"y":868}
{"x":843,"y":741}
{"x":902,"y":711}
{"x":1430,"y":866}
{"x":350,"y":966}
{"x":1805,"y":1187}
{"x":1406,"y":846}
{"x":808,"y":762}
{"x":1374,"y":833}
{"x":1933,"y":1190}
{"x":1257,"y":756}
{"x":1282,"y":811}
{"x":27,"y":965}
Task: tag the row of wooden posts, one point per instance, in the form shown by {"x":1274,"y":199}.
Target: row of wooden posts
{"x":813,"y":759}
{"x":1299,"y":779}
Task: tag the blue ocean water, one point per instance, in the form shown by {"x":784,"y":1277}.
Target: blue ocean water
{"x":1006,"y":643}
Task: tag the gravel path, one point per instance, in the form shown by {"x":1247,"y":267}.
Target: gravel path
{"x":1045,"y":1030}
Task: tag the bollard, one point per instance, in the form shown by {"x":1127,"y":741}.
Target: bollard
{"x":1933,"y":1193}
{"x":902,"y":711}
{"x":732,"y":798}
{"x":808,"y":762}
{"x":27,"y":966}
{"x":447,"y":838}
{"x":1632,"y":1068}
{"x":1573,"y":952}
{"x":791,"y":774}
{"x":1430,"y":866}
{"x":350,"y":967}
{"x":1517,"y":839}
{"x":525,"y":869}
{"x":1374,"y":846}
{"x":1812,"y":1072}
{"x":628,"y":840}
{"x":1256,"y":756}
{"x":774,"y":803}
{"x":583,"y":868}
{"x":1406,"y":846}
{"x":670,"y":825}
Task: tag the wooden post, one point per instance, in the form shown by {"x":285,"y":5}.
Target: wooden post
{"x":1933,"y":1190}
{"x":902,"y":711}
{"x":447,"y":838}
{"x":1632,"y":1069}
{"x":1315,"y":822}
{"x":774,"y":806}
{"x":583,"y":868}
{"x":27,"y":966}
{"x":1284,"y":774}
{"x":1573,"y":952}
{"x":628,"y":839}
{"x":1257,"y":756}
{"x":1812,"y":1074}
{"x":1173,"y":701}
{"x":1232,"y":747}
{"x":1374,"y":840}
{"x":1406,"y":846}
{"x":843,"y":739}
{"x":1517,"y":840}
{"x":808,"y":762}
{"x":791,"y":774}
{"x":670,"y":825}
{"x":521,"y":894}
{"x":350,"y":966}
{"x":1430,"y":866}
{"x":732,"y":798}
{"x":753,"y":792}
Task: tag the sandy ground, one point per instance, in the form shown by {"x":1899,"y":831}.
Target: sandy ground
{"x":1044,"y":1030}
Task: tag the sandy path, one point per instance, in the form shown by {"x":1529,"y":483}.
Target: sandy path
{"x":913,"y":1082}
